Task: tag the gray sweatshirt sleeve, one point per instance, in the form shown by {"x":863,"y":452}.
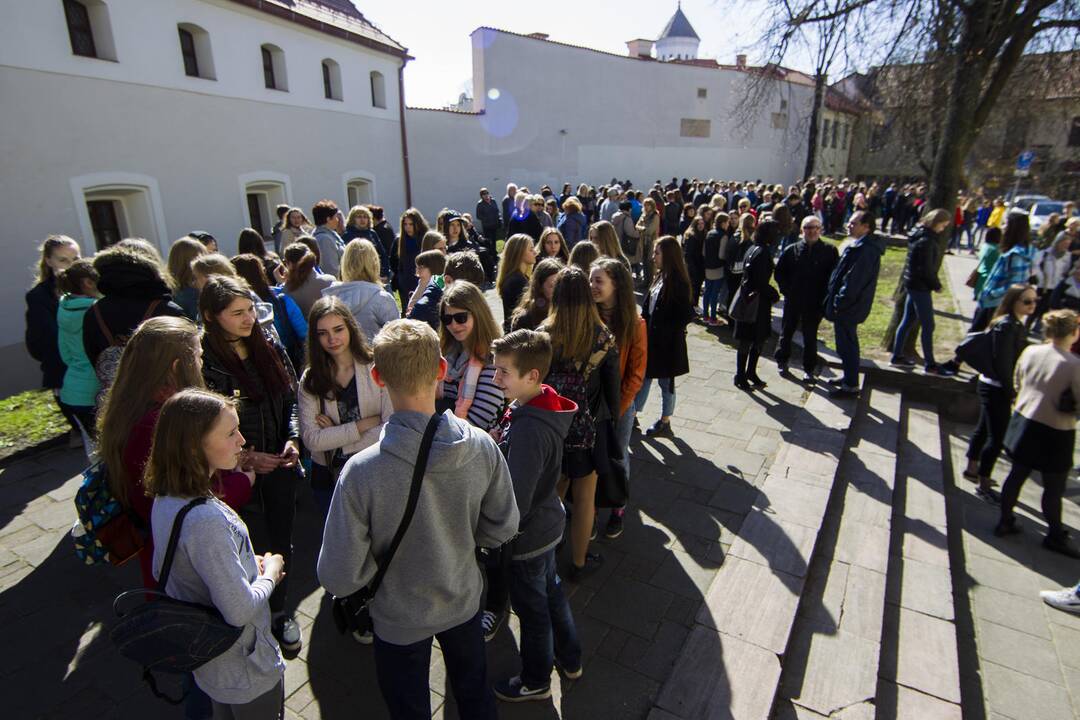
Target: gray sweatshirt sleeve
{"x":215,"y":559}
{"x":498,"y":521}
{"x":345,"y":560}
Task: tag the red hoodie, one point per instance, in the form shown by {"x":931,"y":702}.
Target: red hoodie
{"x":233,"y":487}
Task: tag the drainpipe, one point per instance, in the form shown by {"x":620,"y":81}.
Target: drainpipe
{"x":404,"y":136}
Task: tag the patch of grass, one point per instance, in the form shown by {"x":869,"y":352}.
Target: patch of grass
{"x":29,"y":418}
{"x":948,"y":329}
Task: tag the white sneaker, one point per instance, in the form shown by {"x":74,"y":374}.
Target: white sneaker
{"x":1065,"y":599}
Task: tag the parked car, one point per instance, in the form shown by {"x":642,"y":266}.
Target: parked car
{"x":1023,"y":203}
{"x":1041,"y":210}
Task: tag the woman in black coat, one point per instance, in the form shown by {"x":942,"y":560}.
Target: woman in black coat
{"x":58,"y":252}
{"x":757,"y":271}
{"x":667,"y":311}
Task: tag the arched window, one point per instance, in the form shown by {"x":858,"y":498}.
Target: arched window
{"x":113,"y":206}
{"x":331,"y":77}
{"x":378,"y":89}
{"x":195,"y":51}
{"x":359,"y":187}
{"x":262,"y":193}
{"x":273,"y":64}
{"x":89,"y":29}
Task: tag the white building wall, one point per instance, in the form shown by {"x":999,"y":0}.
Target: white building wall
{"x":555,"y":114}
{"x":68,"y":121}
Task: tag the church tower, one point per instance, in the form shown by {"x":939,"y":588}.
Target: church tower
{"x":678,"y":41}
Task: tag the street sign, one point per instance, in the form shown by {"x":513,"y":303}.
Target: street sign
{"x":1023,"y":164}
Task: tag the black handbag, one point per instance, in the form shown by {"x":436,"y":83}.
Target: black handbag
{"x":351,"y":612}
{"x":612,"y":481}
{"x":169,"y":635}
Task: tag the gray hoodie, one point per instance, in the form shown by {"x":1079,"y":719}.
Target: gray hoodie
{"x":214,"y":565}
{"x":331,"y":248}
{"x":372,"y":306}
{"x":532,"y":439}
{"x":467,"y":501}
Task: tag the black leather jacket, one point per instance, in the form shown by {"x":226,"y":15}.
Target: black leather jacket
{"x":921,"y":268}
{"x":267,"y":424}
{"x":1009,"y":338}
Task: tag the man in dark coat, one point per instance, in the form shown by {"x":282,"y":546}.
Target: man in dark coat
{"x":487,"y":214}
{"x":508,"y":207}
{"x":802,"y":272}
{"x":850,"y":295}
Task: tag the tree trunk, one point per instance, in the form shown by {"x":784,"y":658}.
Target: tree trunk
{"x":815,"y":121}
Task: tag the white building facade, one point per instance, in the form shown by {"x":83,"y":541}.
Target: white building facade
{"x":586,"y":116}
{"x":152,"y":118}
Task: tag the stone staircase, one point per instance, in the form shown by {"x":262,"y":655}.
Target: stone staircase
{"x":836,"y":600}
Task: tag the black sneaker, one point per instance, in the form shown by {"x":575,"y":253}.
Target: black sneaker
{"x":844,"y":391}
{"x":939,"y":370}
{"x":491,"y":622}
{"x":952,"y":366}
{"x":902,"y":362}
{"x":991,"y":496}
{"x":782,"y":368}
{"x":660,"y":427}
{"x":513,"y":690}
{"x":756,"y":381}
{"x":614,"y":526}
{"x":288,"y":635}
{"x":1059,"y":542}
{"x":1008,"y":527}
{"x":567,"y":672}
{"x":593,"y":561}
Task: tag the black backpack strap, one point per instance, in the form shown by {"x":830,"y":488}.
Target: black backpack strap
{"x":174,"y":539}
{"x":410,"y":507}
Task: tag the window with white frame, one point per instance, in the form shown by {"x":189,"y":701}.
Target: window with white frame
{"x":359,"y":191}
{"x":198,"y":60}
{"x":261,"y":197}
{"x":273,"y":64}
{"x":88,"y":29}
{"x":331,"y":77}
{"x":378,"y":89}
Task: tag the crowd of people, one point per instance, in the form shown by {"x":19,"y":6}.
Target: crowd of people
{"x":340,"y":351}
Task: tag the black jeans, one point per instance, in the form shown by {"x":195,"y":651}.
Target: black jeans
{"x":995,"y":408}
{"x":1053,"y":490}
{"x":496,"y":563}
{"x":402,"y":671}
{"x":746,"y":358}
{"x":271,"y":530}
{"x":797,"y":316}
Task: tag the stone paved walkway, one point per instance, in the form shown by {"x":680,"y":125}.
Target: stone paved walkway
{"x":690,"y":496}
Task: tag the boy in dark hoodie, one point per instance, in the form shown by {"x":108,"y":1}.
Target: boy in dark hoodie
{"x":539,"y":418}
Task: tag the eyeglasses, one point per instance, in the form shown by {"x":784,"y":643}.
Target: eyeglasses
{"x":1028,"y":301}
{"x":459,"y":317}
{"x":812,"y":227}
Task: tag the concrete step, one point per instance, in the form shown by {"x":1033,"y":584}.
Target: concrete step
{"x":730,"y":666}
{"x":830,"y":663}
{"x":919,"y":666}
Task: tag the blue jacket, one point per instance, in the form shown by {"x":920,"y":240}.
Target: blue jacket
{"x":850,"y":293}
{"x":574,"y":227}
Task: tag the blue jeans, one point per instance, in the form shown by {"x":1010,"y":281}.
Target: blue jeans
{"x":667,"y":396}
{"x":624,"y":428}
{"x":402,"y":671}
{"x":847,"y":347}
{"x":547,"y":626}
{"x":711,"y":299}
{"x":919,"y":304}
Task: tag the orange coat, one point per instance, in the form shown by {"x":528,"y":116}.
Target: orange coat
{"x":632,"y":361}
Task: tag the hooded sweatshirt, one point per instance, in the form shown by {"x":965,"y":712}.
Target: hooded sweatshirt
{"x":466,"y":501}
{"x":372,"y":306}
{"x":535,"y":461}
{"x":80,"y":381}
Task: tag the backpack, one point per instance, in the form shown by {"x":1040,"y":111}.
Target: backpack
{"x":105,"y":532}
{"x":571,"y":380}
{"x":977,"y":350}
{"x":108,"y":361}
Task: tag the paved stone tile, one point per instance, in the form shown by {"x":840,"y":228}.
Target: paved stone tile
{"x":641,"y":616}
{"x":926,"y":656}
{"x":925,"y":588}
{"x":753,"y":603}
{"x":914,"y":704}
{"x":864,"y":545}
{"x":841,"y":671}
{"x":1026,"y":614}
{"x":683,"y":575}
{"x":1009,"y":577}
{"x":718,"y":676}
{"x":733,"y":495}
{"x":777,"y":543}
{"x":1067,"y":642}
{"x":1019,"y":651}
{"x":1018,"y":696}
{"x":925,"y":543}
{"x":823,"y":607}
{"x":792,"y":500}
{"x":923,"y":503}
{"x":656,"y":657}
{"x":607,"y":689}
{"x":864,"y":601}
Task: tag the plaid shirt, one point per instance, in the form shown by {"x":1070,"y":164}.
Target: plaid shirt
{"x":1011,"y":268}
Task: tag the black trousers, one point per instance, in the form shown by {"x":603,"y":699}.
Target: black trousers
{"x":1053,"y":490}
{"x":995,"y":407}
{"x":271,"y":525}
{"x":799,"y":316}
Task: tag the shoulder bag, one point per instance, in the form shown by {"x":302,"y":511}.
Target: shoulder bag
{"x":162,"y":633}
{"x":351,"y":612}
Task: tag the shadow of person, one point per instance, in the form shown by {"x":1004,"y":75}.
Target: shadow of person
{"x":25,"y":480}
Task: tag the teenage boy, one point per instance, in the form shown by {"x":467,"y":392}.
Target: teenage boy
{"x":531,"y":435}
{"x":432,"y":586}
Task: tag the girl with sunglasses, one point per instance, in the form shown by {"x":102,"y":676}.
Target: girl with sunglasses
{"x":468,"y":328}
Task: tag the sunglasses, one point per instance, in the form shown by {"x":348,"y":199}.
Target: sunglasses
{"x":459,"y":317}
{"x":1028,"y":301}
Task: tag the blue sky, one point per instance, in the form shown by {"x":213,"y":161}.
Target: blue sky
{"x":437,"y":33}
